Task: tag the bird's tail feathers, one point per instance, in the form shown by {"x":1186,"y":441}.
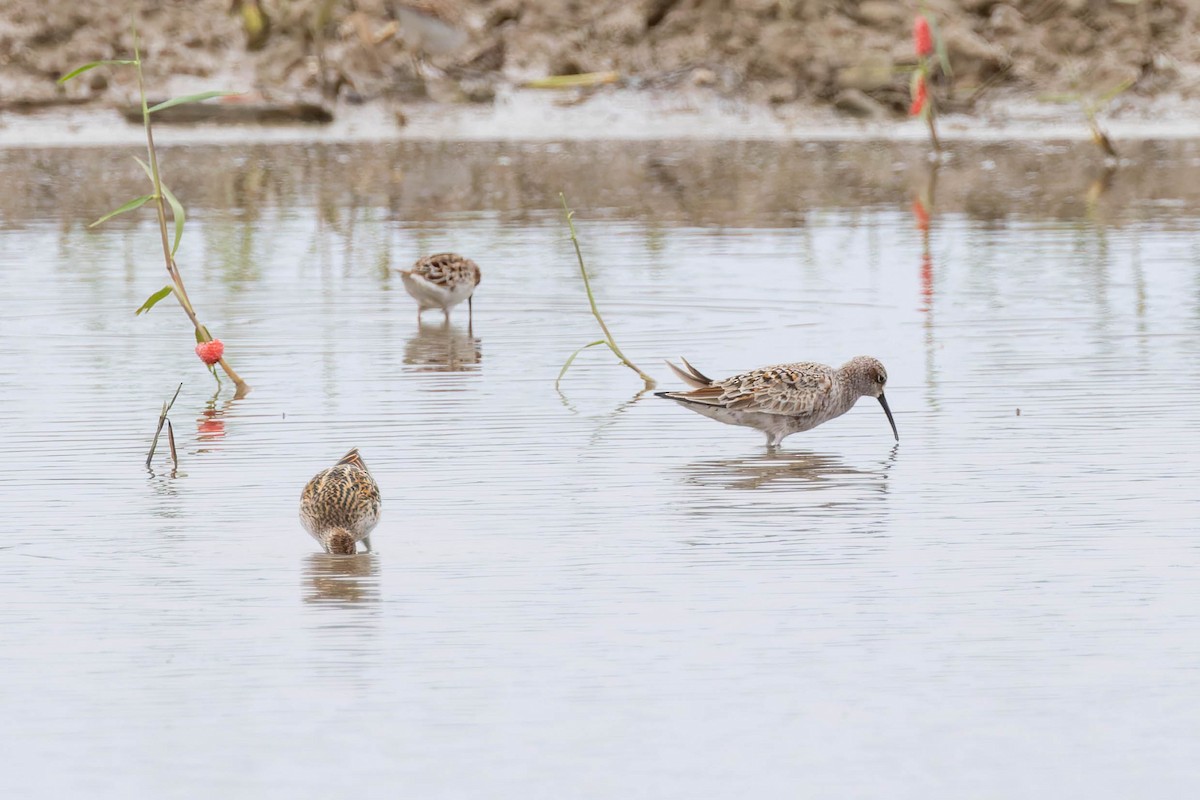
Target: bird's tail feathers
{"x":354,"y":458}
{"x":691,"y":376}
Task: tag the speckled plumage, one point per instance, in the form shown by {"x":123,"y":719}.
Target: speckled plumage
{"x":441,"y":281}
{"x":340,"y":506}
{"x":786,"y":398}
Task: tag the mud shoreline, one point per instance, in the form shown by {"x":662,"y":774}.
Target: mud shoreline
{"x":707,"y":69}
{"x":621,"y":116}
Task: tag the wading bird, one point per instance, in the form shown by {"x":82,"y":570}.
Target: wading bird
{"x":786,"y":398}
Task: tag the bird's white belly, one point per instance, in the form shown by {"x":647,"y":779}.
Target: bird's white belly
{"x":431,"y":295}
{"x":779,"y":425}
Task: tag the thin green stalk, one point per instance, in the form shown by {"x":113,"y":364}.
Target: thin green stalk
{"x":933,"y":137}
{"x":571,"y":360}
{"x":161,"y":196}
{"x":181,"y":294}
{"x":608,"y":337}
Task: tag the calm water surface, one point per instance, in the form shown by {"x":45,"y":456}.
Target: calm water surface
{"x":598,"y":594}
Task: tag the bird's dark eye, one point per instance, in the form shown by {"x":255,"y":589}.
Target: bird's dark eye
{"x":881,"y":378}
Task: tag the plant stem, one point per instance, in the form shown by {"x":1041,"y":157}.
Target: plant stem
{"x":1098,"y":135}
{"x":930,"y":110}
{"x":933,"y":137}
{"x":158,"y":431}
{"x":608,"y":337}
{"x":171,"y":442}
{"x":180,"y":292}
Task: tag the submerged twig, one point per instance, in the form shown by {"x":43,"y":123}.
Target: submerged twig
{"x":608,"y":337}
{"x":171,"y":442}
{"x":162,"y":418}
{"x":1099,"y":137}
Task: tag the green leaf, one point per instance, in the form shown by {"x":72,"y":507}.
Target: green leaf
{"x":176,"y":206}
{"x":940,"y":46}
{"x":1112,"y":93}
{"x":191,"y":98}
{"x":177,"y":213}
{"x":202,"y":333}
{"x":154,"y":298}
{"x":583,"y":79}
{"x":146,"y":167}
{"x":130,"y":206}
{"x":571,"y":360}
{"x":80,"y":70}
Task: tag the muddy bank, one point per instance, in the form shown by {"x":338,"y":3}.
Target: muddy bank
{"x":852,"y":58}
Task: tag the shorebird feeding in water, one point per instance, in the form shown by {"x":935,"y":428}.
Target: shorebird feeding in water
{"x":441,"y":281}
{"x":786,"y":398}
{"x":340,"y":505}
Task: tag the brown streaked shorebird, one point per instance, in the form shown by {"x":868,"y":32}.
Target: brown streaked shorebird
{"x":340,"y":505}
{"x":786,"y":398}
{"x":441,"y":281}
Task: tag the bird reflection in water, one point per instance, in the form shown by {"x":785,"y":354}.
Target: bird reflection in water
{"x":443,"y":348}
{"x":785,"y":470}
{"x":344,"y":580}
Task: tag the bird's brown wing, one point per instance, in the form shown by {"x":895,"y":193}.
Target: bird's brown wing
{"x":786,"y":389}
{"x":446,"y":269}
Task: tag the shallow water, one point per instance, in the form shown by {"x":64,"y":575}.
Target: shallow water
{"x":600,"y":594}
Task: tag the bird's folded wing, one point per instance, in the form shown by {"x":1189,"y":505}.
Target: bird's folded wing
{"x":786,"y":390}
{"x":446,"y":269}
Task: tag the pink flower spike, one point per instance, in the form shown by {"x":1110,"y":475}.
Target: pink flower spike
{"x":919,"y":96}
{"x":922,"y":38}
{"x":210,"y":352}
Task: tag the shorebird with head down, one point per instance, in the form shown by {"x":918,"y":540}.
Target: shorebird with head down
{"x":442,"y":281}
{"x":786,"y":398}
{"x":340,"y":505}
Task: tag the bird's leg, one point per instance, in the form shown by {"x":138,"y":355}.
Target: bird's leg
{"x":366,"y":540}
{"x":446,"y":312}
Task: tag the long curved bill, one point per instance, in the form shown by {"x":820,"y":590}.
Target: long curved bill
{"x":888,"y":411}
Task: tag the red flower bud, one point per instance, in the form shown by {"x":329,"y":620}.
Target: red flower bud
{"x":919,"y":96}
{"x":922,"y":38}
{"x":920,"y":214}
{"x":210,"y":352}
